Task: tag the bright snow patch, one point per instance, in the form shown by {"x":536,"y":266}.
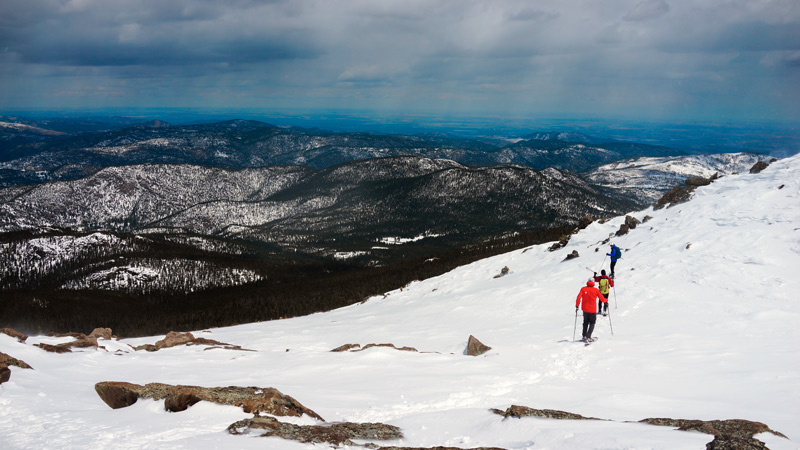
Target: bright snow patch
{"x":397,"y":240}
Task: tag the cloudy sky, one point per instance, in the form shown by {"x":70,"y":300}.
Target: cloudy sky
{"x":735,"y":60}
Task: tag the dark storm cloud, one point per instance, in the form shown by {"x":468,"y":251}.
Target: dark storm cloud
{"x":112,"y":33}
{"x":549,"y":55}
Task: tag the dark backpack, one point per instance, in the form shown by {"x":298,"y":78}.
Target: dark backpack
{"x":619,"y":252}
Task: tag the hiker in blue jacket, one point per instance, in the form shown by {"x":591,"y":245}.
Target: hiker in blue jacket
{"x":615,"y":254}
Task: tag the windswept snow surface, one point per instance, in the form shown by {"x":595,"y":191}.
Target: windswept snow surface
{"x":705,"y":326}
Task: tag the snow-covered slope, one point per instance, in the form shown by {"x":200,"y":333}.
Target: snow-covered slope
{"x":704,"y":318}
{"x":647,"y":178}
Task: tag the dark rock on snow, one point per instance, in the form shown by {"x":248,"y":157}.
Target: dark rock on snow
{"x":503,"y":272}
{"x":60,"y":348}
{"x":358,"y":348}
{"x":475,"y":347}
{"x":346,"y":347}
{"x":632,"y":222}
{"x":572,"y":255}
{"x":585,"y":222}
{"x":405,"y":349}
{"x":174,"y":339}
{"x":5,"y":373}
{"x":104,"y":333}
{"x":11,"y":361}
{"x":732,"y":434}
{"x":437,"y":448}
{"x":728,"y":434}
{"x":337,"y":433}
{"x":698,"y":181}
{"x":117,"y":394}
{"x":758,"y":167}
{"x":524,"y":411}
{"x":731,"y":427}
{"x":676,"y":195}
{"x":81,"y":340}
{"x":15,"y":334}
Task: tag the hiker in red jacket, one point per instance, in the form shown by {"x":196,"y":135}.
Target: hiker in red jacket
{"x":587,"y":298}
{"x":604,"y":283}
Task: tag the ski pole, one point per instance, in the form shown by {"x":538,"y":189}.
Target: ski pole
{"x":609,"y":323}
{"x":575,"y":327}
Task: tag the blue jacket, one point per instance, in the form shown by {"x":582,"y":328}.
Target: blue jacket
{"x":614,"y":253}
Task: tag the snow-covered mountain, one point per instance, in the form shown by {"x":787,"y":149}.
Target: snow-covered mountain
{"x":702,"y":326}
{"x":647,"y":178}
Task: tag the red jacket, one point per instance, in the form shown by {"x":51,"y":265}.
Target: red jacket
{"x":589,"y":296}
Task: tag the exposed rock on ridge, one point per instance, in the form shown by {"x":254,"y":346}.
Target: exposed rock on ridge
{"x":728,"y":434}
{"x":174,"y":339}
{"x":336,"y":434}
{"x":475,"y":347}
{"x":118,"y":394}
{"x":22,"y":337}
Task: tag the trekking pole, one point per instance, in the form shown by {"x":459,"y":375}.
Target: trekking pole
{"x":609,"y":323}
{"x":575,"y":327}
{"x":615,"y":298}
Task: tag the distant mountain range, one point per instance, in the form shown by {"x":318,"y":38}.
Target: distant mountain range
{"x":139,"y":207}
{"x":27,"y":158}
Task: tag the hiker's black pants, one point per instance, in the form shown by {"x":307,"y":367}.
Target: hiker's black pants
{"x":613,"y":263}
{"x":601,"y":305}
{"x":588,"y":323}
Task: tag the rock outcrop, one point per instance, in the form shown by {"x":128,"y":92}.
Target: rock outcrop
{"x":117,"y":394}
{"x":733,"y":434}
{"x":524,"y":411}
{"x":5,"y":370}
{"x":358,"y":348}
{"x":682,"y":194}
{"x":336,"y":434}
{"x":585,"y":222}
{"x":174,"y":339}
{"x":403,"y":349}
{"x":728,"y":434}
{"x":630,"y":223}
{"x":104,"y":333}
{"x":698,"y":181}
{"x":81,"y":340}
{"x":572,"y":255}
{"x":5,"y":373}
{"x":22,"y":337}
{"x":346,"y":347}
{"x":475,"y":347}
{"x":60,"y":348}
{"x":10,"y":361}
{"x":438,"y":448}
{"x":503,"y":272}
{"x":758,"y":167}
